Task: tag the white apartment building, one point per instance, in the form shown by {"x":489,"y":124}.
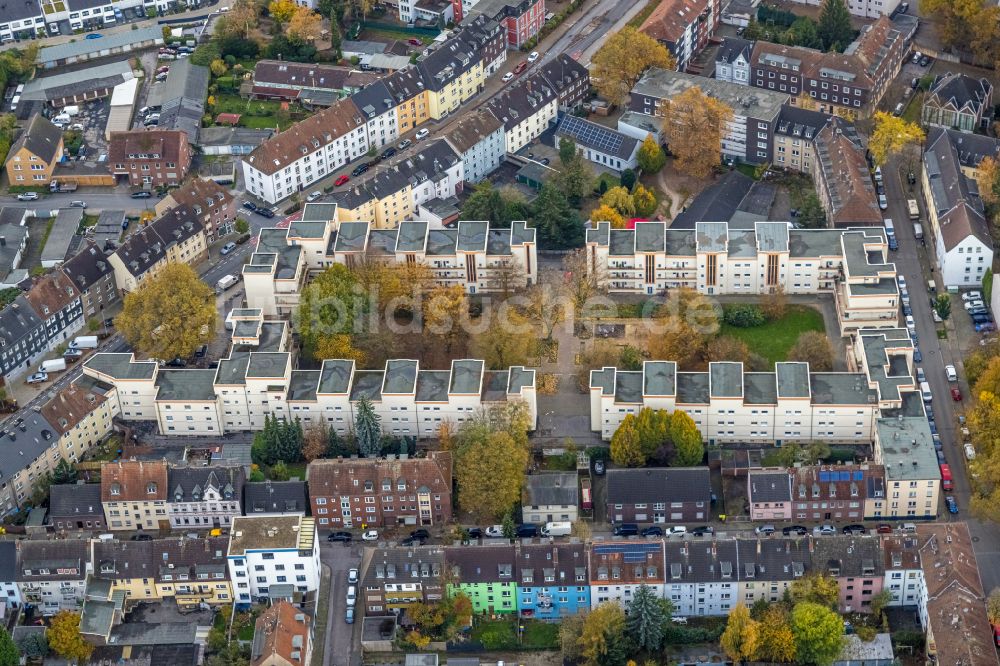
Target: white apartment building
{"x":52,"y":575}
{"x":903,"y":576}
{"x":479,"y":140}
{"x":730,"y":405}
{"x":258,"y":380}
{"x":471,"y":254}
{"x":617,"y":570}
{"x":956,"y":216}
{"x":204,"y":496}
{"x":298,"y":157}
{"x":870,"y":9}
{"x":526,"y":108}
{"x":273,"y":558}
{"x":732,"y":61}
{"x":715,"y":259}
{"x":378,"y":107}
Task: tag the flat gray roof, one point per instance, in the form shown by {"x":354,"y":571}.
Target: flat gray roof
{"x":907,"y":448}
{"x":185,"y":385}
{"x":660,"y":378}
{"x":466,"y":376}
{"x":726,"y":379}
{"x":121,"y":366}
{"x":840,"y":388}
{"x":83,"y":47}
{"x":753,"y":102}
{"x":792,"y":380}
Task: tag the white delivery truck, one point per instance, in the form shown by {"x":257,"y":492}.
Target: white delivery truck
{"x":918,"y":231}
{"x":911,"y":204}
{"x":226,"y":282}
{"x":84,"y":342}
{"x":561,"y":528}
{"x":54,"y":365}
{"x":71,"y":110}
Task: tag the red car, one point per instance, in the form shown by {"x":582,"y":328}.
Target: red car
{"x":956,"y":395}
{"x":414,"y":41}
{"x":341,"y":180}
{"x":884,"y":528}
{"x":520,"y":66}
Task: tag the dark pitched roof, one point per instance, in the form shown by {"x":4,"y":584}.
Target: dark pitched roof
{"x":189,"y":484}
{"x":41,"y":138}
{"x":551,"y":488}
{"x":769,"y":487}
{"x":392,"y":565}
{"x":954,"y":195}
{"x":13,"y":10}
{"x":958,"y":91}
{"x":732,"y":48}
{"x":274,"y":497}
{"x":523,"y":99}
{"x":76,"y":499}
{"x":561,"y":564}
{"x":849,"y":556}
{"x":717,"y":203}
{"x":87,"y":267}
{"x":482,"y":564}
{"x":632,"y":486}
{"x":797,"y":122}
{"x":562,"y":72}
{"x":64,"y":559}
{"x":17,"y":320}
{"x":8,"y":561}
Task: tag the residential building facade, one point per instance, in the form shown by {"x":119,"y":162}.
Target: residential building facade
{"x":485,"y":574}
{"x":282,"y":637}
{"x":94,"y":277}
{"x":33,"y":156}
{"x":134,"y":495}
{"x":52,"y":575}
{"x":273,"y":557}
{"x":550,"y":497}
{"x":683,"y":26}
{"x":211,"y":203}
{"x":843,"y":182}
{"x":175,"y":237}
{"x":478,"y":139}
{"x":958,"y":101}
{"x":526,"y":108}
{"x":658,"y":495}
{"x":398,"y":578}
{"x":204,"y":496}
{"x":382,"y":492}
{"x":552,"y":580}
{"x":150,"y":158}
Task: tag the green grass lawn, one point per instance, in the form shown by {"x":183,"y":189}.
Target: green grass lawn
{"x":775,"y":338}
{"x":502,"y":634}
{"x":257,"y":114}
{"x":911,"y":113}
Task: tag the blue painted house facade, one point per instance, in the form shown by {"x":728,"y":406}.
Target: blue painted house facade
{"x":552,"y":580}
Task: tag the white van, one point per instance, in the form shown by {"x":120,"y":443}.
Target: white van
{"x":560,"y":528}
{"x":925,"y":392}
{"x":352,"y":596}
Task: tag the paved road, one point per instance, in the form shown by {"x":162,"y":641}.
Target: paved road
{"x":343,"y":641}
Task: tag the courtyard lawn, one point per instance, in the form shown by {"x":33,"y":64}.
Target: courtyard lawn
{"x":256,"y":114}
{"x":775,"y":338}
{"x":502,"y":634}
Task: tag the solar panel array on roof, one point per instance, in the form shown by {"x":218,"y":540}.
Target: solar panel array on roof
{"x":841,"y":476}
{"x":631,"y":552}
{"x":591,"y":134}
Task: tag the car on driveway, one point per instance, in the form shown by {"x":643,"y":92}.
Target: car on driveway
{"x":370,"y":535}
{"x":509,"y":76}
{"x":38,"y":378}
{"x":27,"y":196}
{"x":227,"y":248}
{"x":599,"y":467}
{"x":956,"y":394}
{"x":972,"y":296}
{"x":142,"y":537}
{"x":343,"y":178}
{"x":413,"y":41}
{"x":972,"y":305}
{"x":420,"y":534}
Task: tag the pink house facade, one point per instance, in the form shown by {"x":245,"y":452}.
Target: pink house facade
{"x":770,"y":495}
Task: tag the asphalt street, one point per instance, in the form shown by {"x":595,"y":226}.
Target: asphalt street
{"x":343,"y":641}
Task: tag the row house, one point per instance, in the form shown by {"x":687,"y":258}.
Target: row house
{"x":150,"y":158}
{"x":956,"y":215}
{"x":748,"y":134}
{"x":478,"y":138}
{"x":843,"y":181}
{"x":857,"y":566}
{"x":204,"y":496}
{"x":76,"y":507}
{"x":618,"y":569}
{"x":485,"y":575}
{"x":275,"y":498}
{"x":526,"y":108}
{"x":211,"y":203}
{"x":846,"y":83}
{"x":715,"y":259}
{"x":684,"y":27}
{"x":552,"y":581}
{"x":399,"y":578}
{"x":273,"y":558}
{"x":869,"y":9}
{"x":178,"y":236}
{"x":134,"y":494}
{"x":52,"y":575}
{"x":251,"y":385}
{"x":315,"y":84}
{"x":22,"y":20}
{"x":283,"y":636}
{"x":519,"y":20}
{"x":81,"y":416}
{"x":901,"y":563}
{"x":700,"y":577}
{"x":395,"y":190}
{"x":10,"y":595}
{"x":92,"y":274}
{"x":815,"y":493}
{"x":38,"y":321}
{"x":189,"y":571}
{"x":732,"y":60}
{"x":381,"y":492}
{"x":307,"y":151}
{"x":795,"y":138}
{"x":377,"y":114}
{"x":568,"y":78}
{"x":730,"y":405}
{"x":550,"y":497}
{"x":659,"y":495}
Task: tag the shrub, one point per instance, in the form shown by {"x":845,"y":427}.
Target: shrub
{"x":744,"y":315}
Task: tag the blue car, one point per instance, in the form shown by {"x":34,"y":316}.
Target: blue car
{"x":94,"y":35}
{"x":917,"y":356}
{"x":951,"y":504}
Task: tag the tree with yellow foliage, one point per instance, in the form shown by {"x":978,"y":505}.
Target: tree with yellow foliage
{"x":605,"y":213}
{"x":620,"y":200}
{"x":626,"y":449}
{"x":169,"y":315}
{"x":644,"y":201}
{"x":282,"y":11}
{"x":892,"y":135}
{"x":694,"y":125}
{"x":988,"y":180}
{"x":621,"y":61}
{"x":218,"y":67}
{"x":775,"y":643}
{"x":65,"y":638}
{"x":603,"y":634}
{"x":305,"y":25}
{"x":445,"y":309}
{"x":742,"y":634}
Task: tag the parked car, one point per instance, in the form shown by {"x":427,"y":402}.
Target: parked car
{"x":972,"y":305}
{"x":533,"y":56}
{"x":883,"y":528}
{"x":227,"y":248}
{"x":352,"y":595}
{"x":527,"y":531}
{"x":764,"y":530}
{"x":494,"y":531}
{"x":921,"y":377}
{"x":313,"y":196}
{"x":654,"y":530}
{"x":599,"y":467}
{"x":507,"y":77}
{"x":856,"y":530}
{"x":142,"y":537}
{"x":825,"y":529}
{"x":917,"y":356}
{"x":360,"y":169}
{"x":411,"y":541}
{"x":27,"y":196}
{"x":924,"y":61}
{"x":370,"y":535}
{"x":970,"y":451}
{"x":413,"y":41}
{"x":972,"y":296}
{"x":72,"y":354}
{"x":520,"y":67}
{"x":404,"y":144}
{"x":704,"y":530}
{"x":265,"y":212}
{"x":626,"y":529}
{"x":340,"y":536}
{"x":421,"y":134}
{"x":956,"y":394}
{"x":949,"y":501}
{"x":349,"y":616}
{"x":144,"y":194}
{"x":797,"y":530}
{"x":677,"y":530}
{"x":387,"y":153}
{"x":420,"y":534}
{"x":249,"y":205}
{"x":38,"y":378}
{"x":341,"y":179}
